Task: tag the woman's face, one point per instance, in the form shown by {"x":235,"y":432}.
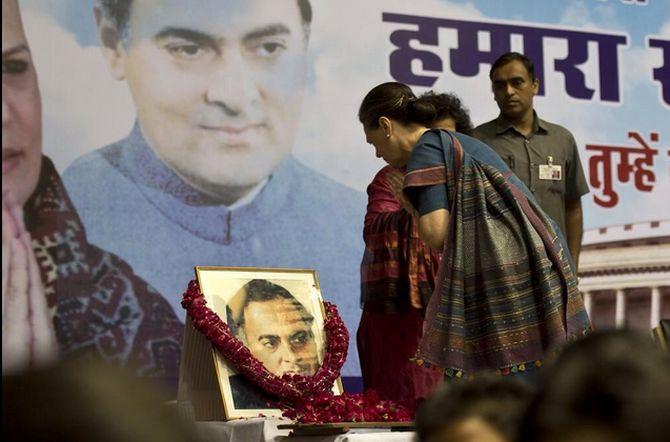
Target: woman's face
{"x":386,"y":146}
{"x":21,"y":109}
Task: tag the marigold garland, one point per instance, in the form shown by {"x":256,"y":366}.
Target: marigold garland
{"x":306,"y":399}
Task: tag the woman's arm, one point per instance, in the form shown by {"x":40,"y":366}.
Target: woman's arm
{"x":433,"y":228}
{"x":426,"y":188}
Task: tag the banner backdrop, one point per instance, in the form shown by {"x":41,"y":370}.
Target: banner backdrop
{"x":231,"y":125}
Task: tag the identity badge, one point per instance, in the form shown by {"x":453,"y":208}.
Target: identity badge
{"x":550,"y":171}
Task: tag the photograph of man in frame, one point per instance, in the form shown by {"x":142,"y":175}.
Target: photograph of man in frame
{"x":278,"y":330}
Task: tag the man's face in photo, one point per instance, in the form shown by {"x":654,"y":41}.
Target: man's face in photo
{"x":279,"y":334}
{"x":218,"y":85}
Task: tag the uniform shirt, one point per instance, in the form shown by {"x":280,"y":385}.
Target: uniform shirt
{"x":525,"y":155}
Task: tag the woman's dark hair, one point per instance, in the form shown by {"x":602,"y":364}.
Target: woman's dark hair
{"x":612,"y":383}
{"x":396,"y":101}
{"x":450,"y":106}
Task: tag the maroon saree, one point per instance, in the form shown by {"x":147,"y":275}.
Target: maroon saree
{"x":396,"y":266}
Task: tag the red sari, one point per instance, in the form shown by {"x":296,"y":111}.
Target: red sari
{"x":397,"y":266}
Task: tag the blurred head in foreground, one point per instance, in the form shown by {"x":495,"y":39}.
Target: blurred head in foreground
{"x":80,"y":401}
{"x":486,"y":409}
{"x":611,"y":386}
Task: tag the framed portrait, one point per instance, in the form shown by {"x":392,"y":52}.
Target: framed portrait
{"x":278,"y":314}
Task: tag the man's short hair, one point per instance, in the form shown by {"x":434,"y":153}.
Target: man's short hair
{"x":510,"y":57}
{"x":500,"y":401}
{"x":118,"y":11}
{"x":615,"y":382}
{"x":262,"y":290}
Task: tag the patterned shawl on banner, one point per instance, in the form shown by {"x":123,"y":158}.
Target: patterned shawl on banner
{"x":101,"y":308}
{"x":506,"y":294}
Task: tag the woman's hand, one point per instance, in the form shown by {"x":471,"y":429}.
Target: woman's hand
{"x":28,"y":337}
{"x":15,"y":312}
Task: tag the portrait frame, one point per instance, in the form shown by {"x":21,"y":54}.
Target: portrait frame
{"x":222,"y":288}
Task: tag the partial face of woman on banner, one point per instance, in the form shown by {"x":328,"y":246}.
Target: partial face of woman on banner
{"x":218,"y":84}
{"x":28,"y":338}
{"x":21,"y":109}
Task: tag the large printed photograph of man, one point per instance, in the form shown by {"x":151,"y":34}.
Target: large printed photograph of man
{"x":206,"y":176}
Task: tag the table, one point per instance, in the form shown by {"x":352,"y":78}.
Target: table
{"x":265,"y":430}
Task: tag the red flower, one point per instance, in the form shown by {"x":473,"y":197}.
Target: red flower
{"x":306,"y":399}
{"x":326,"y":407}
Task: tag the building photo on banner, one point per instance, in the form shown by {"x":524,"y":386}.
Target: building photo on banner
{"x":226,"y":133}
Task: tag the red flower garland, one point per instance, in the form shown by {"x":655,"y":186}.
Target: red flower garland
{"x":365,"y":407}
{"x":306,"y":399}
{"x":291,"y":387}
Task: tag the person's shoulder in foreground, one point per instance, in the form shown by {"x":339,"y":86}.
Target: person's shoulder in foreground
{"x":86,"y":400}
